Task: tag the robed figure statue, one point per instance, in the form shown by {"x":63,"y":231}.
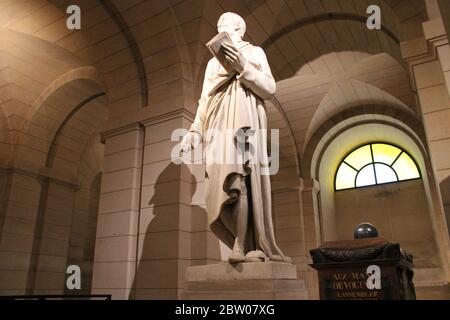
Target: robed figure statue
{"x":238,"y":193}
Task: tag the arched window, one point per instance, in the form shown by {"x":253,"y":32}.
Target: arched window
{"x":374,"y":164}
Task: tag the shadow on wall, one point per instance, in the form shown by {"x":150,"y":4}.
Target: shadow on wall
{"x":175,"y":238}
{"x":445,"y":192}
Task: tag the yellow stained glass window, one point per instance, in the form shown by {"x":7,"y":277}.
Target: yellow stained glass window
{"x":385,"y":153}
{"x":406,"y":168}
{"x":359,"y":158}
{"x":366,"y":177}
{"x":375,"y":164}
{"x":385,"y":174}
{"x":345,"y":178}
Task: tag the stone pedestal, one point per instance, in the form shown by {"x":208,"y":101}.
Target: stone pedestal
{"x":244,"y":281}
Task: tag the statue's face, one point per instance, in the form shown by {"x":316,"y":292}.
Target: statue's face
{"x":231,"y":27}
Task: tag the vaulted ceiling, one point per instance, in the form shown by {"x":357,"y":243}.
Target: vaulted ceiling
{"x":151,"y":54}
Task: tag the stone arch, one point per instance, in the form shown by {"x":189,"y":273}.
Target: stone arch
{"x":333,"y":16}
{"x":329,"y":108}
{"x":87,"y":73}
{"x":133,"y":47}
{"x":310,"y":100}
{"x":289,"y":169}
{"x":335,"y":125}
{"x":36,"y":72}
{"x":112,"y":38}
{"x":70,"y":156}
{"x":306,"y":51}
{"x":360,"y":129}
{"x":43,"y":127}
{"x":90,"y":115}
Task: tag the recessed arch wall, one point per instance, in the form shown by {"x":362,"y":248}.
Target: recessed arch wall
{"x":47,"y":95}
{"x":72,"y":115}
{"x":311,"y":103}
{"x":85,"y":211}
{"x":399,"y":218}
{"x":43,"y":128}
{"x":306,"y":51}
{"x":24,"y":76}
{"x":312,"y":106}
{"x":340,"y":99}
{"x":330,"y":129}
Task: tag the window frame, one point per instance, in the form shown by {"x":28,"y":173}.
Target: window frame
{"x":370,"y":144}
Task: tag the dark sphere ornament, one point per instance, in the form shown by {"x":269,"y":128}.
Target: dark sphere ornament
{"x":366,"y":230}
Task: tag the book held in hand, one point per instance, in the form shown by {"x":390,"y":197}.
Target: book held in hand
{"x":215,"y":46}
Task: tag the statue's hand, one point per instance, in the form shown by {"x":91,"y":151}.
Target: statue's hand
{"x":234,"y":57}
{"x":190,"y":141}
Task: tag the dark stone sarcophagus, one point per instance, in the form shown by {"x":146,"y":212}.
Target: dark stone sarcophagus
{"x":364,"y":269}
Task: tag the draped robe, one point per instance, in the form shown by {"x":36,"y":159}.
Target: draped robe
{"x":231,"y":102}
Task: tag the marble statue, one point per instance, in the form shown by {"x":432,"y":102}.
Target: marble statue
{"x":238,"y":194}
